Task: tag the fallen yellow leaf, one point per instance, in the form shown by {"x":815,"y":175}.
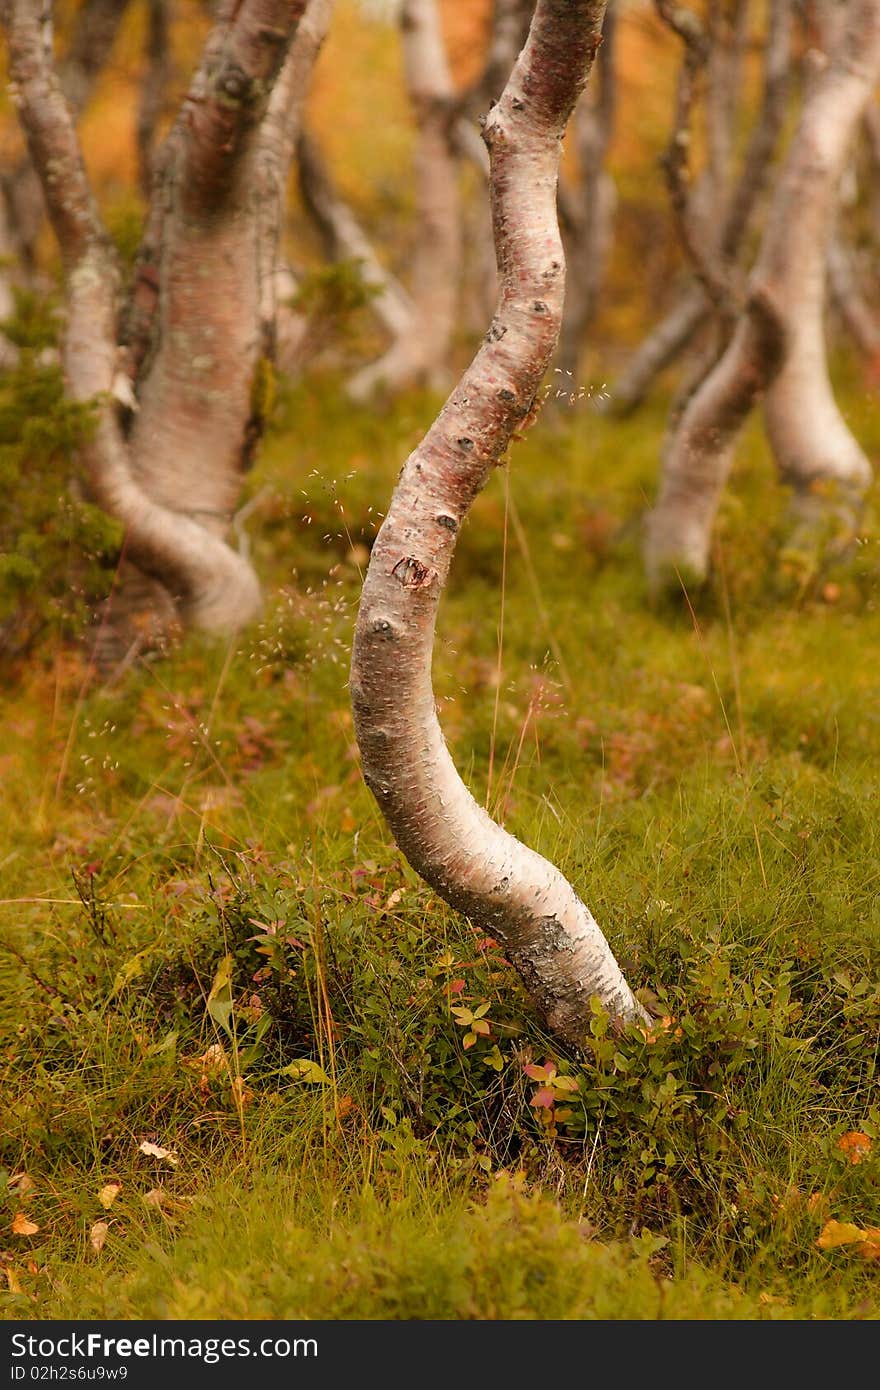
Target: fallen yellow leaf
{"x":108,"y":1194}
{"x":23,"y":1226}
{"x":836,"y":1233}
{"x":98,"y":1235}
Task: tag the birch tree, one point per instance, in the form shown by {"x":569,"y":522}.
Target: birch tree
{"x":480,"y":869}
{"x":172,"y":363}
{"x":777,"y":347}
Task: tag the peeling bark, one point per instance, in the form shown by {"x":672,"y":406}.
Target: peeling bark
{"x":421,"y":354}
{"x":473,"y":863}
{"x":786,"y":357}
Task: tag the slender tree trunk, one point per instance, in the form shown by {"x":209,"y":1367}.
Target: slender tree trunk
{"x":691,"y":311}
{"x":345,"y":240}
{"x":587,"y":230}
{"x":476,"y":866}
{"x":848,"y":297}
{"x":780,"y":337}
{"x":153,"y":87}
{"x":421,"y":354}
{"x":95,"y":27}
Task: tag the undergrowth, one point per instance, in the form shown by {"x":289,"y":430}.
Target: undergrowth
{"x":252,"y":1067}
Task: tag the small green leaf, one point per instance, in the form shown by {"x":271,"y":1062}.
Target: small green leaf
{"x":304,"y":1069}
{"x":130,"y":970}
{"x":220,"y":998}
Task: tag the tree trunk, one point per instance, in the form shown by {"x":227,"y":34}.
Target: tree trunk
{"x":780,"y":337}
{"x":691,"y":311}
{"x":851,"y":303}
{"x":588,"y":233}
{"x":153,"y":87}
{"x":814,"y":449}
{"x":194,"y":342}
{"x":504,"y":887}
{"x":420,"y":355}
{"x":345,"y":240}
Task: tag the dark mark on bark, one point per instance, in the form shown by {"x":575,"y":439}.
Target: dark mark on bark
{"x":506,"y":395}
{"x":496,"y":333}
{"x":465,"y":443}
{"x":444,"y":519}
{"x":412,"y":574}
{"x":539,"y":306}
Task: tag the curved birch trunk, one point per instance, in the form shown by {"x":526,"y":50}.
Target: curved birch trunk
{"x":809,"y":437}
{"x":420,"y":355}
{"x":473,"y":863}
{"x":194,"y":329}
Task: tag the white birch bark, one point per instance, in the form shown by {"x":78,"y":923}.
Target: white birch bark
{"x":815,"y":451}
{"x":194,"y":337}
{"x":471,"y":861}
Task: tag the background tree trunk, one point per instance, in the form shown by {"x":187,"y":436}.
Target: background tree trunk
{"x":194,"y":334}
{"x":420,"y":355}
{"x":504,"y":887}
{"x":808,"y":435}
{"x":732,"y":209}
{"x":587,"y":213}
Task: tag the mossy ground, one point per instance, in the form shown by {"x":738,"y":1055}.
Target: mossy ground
{"x":198,"y":892}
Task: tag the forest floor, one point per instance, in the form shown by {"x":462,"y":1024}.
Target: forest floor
{"x":238,"y":1071}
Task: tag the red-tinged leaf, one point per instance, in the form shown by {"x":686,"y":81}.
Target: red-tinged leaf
{"x":536,"y":1073}
{"x":456,"y":986}
{"x":855,"y":1146}
{"x":469,"y":1039}
{"x":543,"y":1099}
{"x":483,"y":1026}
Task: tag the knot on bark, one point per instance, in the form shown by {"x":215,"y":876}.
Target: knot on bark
{"x":412,"y":574}
{"x":235,"y":86}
